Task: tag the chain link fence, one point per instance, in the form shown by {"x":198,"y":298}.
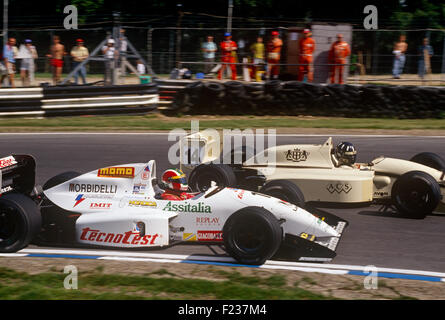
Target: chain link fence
{"x":371,"y":59}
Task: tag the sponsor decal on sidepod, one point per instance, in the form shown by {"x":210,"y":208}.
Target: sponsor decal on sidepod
{"x":89,"y":188}
{"x":129,"y":237}
{"x":184,"y":206}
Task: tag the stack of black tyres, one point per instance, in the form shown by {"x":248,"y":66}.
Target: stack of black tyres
{"x":297,"y":98}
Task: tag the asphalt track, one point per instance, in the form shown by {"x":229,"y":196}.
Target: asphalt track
{"x":372,"y":237}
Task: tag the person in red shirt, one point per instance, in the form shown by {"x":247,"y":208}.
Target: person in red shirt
{"x":274,"y":55}
{"x":228,"y":51}
{"x":338,"y":54}
{"x":176,"y":186}
{"x":306,"y":48}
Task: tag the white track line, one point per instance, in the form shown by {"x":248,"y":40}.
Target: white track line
{"x":270,"y":264}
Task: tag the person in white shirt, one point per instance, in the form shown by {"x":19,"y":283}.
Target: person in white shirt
{"x":27,"y":67}
{"x":140,"y":67}
{"x":110,"y":54}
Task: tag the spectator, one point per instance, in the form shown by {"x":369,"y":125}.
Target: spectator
{"x":399,"y":56}
{"x":306,"y":48}
{"x":9,"y":54}
{"x":273,"y":55}
{"x":140,"y":67}
{"x":57,"y":52}
{"x":209,"y":48}
{"x":80,"y":53}
{"x":3,"y":71}
{"x":228,"y":51}
{"x":28,"y":53}
{"x":110,"y":54}
{"x":338,"y":55}
{"x":425,"y":54}
{"x":258,"y":51}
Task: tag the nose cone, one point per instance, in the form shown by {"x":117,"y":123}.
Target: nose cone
{"x":322,"y":229}
{"x":318,"y":227}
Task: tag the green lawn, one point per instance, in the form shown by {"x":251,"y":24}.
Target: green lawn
{"x":158,"y":122}
{"x":159,"y":284}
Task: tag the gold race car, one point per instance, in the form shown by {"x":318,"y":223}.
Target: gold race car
{"x":308,"y":173}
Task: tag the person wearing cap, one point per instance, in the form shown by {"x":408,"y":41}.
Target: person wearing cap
{"x":110,"y":54}
{"x":27,"y":67}
{"x":228,"y":55}
{"x":306,"y":47}
{"x":338,"y":55}
{"x":79,"y":53}
{"x":57,"y":52}
{"x":274,"y":55}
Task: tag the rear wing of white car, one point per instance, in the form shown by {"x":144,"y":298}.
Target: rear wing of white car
{"x":17,"y":174}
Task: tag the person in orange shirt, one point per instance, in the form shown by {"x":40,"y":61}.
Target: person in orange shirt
{"x":228,"y":52}
{"x":306,"y":48}
{"x":338,"y":54}
{"x":273,"y":55}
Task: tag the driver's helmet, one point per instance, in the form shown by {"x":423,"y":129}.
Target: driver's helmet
{"x":174,"y":179}
{"x":345,"y":153}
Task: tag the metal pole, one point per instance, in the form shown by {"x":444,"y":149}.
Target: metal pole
{"x":149,"y":46}
{"x":229,"y":16}
{"x":178,"y":36}
{"x":443,"y":59}
{"x":5,"y":22}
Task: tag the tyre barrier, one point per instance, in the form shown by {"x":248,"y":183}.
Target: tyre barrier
{"x":79,"y":100}
{"x":297,"y":98}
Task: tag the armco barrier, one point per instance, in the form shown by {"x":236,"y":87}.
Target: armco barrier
{"x":297,"y":98}
{"x":76,"y":100}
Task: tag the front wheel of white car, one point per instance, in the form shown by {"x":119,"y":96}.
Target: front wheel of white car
{"x":252,"y":235}
{"x":416,"y":194}
{"x":284,"y":190}
{"x":203,"y":175}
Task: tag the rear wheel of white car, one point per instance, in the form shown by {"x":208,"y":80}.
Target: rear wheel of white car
{"x":252,"y":235}
{"x":416,"y":194}
{"x":203,"y":175}
{"x":60,"y":178}
{"x":284,"y":190}
{"x":20,"y":221}
{"x":430,"y":159}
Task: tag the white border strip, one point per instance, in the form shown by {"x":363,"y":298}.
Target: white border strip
{"x":176,"y":258}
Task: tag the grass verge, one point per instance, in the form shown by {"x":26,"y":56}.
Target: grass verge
{"x":159,"y":122}
{"x":159,"y":284}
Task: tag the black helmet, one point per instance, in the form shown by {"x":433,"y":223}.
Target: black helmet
{"x":345,"y":153}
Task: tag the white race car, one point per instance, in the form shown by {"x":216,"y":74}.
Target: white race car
{"x":120,"y":207}
{"x":309,"y":173}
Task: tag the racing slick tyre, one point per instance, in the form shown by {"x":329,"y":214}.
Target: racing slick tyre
{"x":415,"y":194}
{"x":252,"y":235}
{"x":203,"y":175}
{"x":430,"y":159}
{"x":60,"y":178}
{"x":242,"y":154}
{"x":20,"y":221}
{"x":284,"y":190}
